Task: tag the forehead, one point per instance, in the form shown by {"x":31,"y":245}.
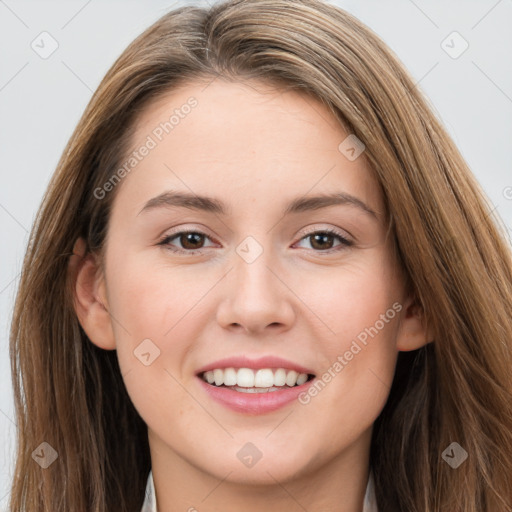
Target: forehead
{"x":225,"y":137}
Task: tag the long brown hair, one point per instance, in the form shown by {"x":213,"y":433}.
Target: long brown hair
{"x":70,"y":394}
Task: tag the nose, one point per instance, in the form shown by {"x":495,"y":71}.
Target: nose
{"x":256,"y":298}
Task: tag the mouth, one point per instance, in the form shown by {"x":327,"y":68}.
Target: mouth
{"x":248,"y":380}
{"x":254,"y":391}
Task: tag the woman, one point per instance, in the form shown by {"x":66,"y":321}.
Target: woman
{"x":263,"y":369}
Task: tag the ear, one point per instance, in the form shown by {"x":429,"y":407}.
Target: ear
{"x":90,"y":301}
{"x":413,"y":332}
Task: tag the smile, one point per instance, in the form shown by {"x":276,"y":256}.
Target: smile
{"x":254,"y":386}
{"x":248,"y":380}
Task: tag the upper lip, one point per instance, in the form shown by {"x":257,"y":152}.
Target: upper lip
{"x":255,"y":364}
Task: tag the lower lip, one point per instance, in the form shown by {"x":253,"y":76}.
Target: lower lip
{"x":253,"y":403}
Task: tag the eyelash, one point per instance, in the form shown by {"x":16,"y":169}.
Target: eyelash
{"x":165,"y":241}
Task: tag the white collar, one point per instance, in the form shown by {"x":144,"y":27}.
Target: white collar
{"x":370,"y":504}
{"x":149,"y":504}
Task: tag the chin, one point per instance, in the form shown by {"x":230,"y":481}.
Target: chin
{"x":247,"y":466}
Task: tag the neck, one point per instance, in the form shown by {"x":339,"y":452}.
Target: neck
{"x":336,"y":484}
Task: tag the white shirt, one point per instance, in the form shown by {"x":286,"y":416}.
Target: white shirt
{"x":149,"y":505}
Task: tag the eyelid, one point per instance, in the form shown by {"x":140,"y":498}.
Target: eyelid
{"x":186,"y":229}
{"x":173,"y":233}
{"x":331,"y":229}
{"x":346,"y":241}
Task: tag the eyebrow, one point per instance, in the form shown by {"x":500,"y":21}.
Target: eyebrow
{"x":190,"y":201}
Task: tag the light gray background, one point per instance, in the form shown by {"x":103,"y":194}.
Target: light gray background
{"x":41,"y":100}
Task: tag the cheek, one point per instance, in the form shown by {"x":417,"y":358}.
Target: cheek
{"x":154,"y":315}
{"x":159,"y":309}
{"x":358,"y":356}
{"x":353,"y":386}
{"x":151,"y":299}
{"x":154,"y":321}
{"x":355,"y":301}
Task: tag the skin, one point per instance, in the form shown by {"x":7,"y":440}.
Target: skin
{"x":255,"y":148}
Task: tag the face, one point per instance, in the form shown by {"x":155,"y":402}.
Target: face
{"x":258,"y":277}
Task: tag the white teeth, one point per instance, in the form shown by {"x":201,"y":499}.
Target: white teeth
{"x":301,"y":379}
{"x":255,"y":390}
{"x":280,"y":377}
{"x":254,"y":381}
{"x":218,"y":375}
{"x":264,"y":379}
{"x":244,"y":378}
{"x":291,"y":378}
{"x":230,"y":377}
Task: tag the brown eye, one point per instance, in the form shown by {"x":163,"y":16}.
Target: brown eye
{"x":190,"y":241}
{"x":323,"y":241}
